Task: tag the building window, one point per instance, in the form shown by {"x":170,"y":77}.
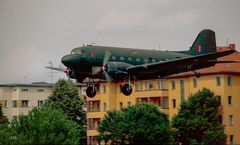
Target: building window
{"x":5,"y":104}
{"x":14,"y":104}
{"x":229,"y":81}
{"x":231,"y":139}
{"x":174,"y":103}
{"x":129,"y":104}
{"x":104,"y":107}
{"x":121,"y":58}
{"x":164,"y":104}
{"x":98,"y":106}
{"x":218,"y":81}
{"x":230,"y":119}
{"x":97,"y":87}
{"x":173,"y":85}
{"x":162,"y":85}
{"x":138,"y":86}
{"x":194,"y":82}
{"x":182,"y":92}
{"x":138,"y":59}
{"x":40,"y":103}
{"x":25,"y":103}
{"x":149,"y":85}
{"x":24,"y":90}
{"x":139,"y":100}
{"x":91,"y":124}
{"x":104,"y":89}
{"x":121,"y":105}
{"x":229,"y":100}
{"x":40,"y":90}
{"x":90,"y":106}
{"x":129,"y":59}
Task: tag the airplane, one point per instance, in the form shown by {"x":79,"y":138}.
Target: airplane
{"x":128,"y":64}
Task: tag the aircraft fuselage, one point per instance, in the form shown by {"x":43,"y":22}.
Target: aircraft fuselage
{"x":82,"y":59}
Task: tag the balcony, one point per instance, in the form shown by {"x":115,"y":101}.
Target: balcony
{"x":161,"y":102}
{"x":93,"y":106}
{"x":92,"y":123}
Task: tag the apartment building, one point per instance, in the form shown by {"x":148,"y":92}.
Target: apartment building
{"x":19,"y":99}
{"x":167,"y":94}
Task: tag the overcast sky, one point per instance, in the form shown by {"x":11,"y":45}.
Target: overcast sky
{"x":34,"y":32}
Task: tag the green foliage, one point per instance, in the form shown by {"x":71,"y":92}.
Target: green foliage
{"x":197,"y":121}
{"x":42,"y":126}
{"x":140,"y":124}
{"x":4,"y":132}
{"x":65,"y":97}
{"x":3,"y":119}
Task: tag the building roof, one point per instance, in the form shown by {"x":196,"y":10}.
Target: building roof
{"x":221,"y":68}
{"x":36,"y":84}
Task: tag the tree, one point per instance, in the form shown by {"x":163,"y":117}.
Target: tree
{"x":3,"y":119}
{"x":43,"y":126}
{"x":140,"y":124}
{"x":198,"y":122}
{"x":65,"y":97}
{"x":4,"y":132}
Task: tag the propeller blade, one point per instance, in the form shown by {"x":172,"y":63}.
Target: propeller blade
{"x":107,"y":77}
{"x":106,"y":58}
{"x":56,"y":68}
{"x":95,"y":70}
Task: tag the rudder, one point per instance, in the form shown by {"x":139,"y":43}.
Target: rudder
{"x":204,"y":43}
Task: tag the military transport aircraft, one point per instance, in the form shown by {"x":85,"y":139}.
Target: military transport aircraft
{"x":127,"y":64}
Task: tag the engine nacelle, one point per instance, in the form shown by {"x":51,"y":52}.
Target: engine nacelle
{"x":116,"y":67}
{"x":75,"y":75}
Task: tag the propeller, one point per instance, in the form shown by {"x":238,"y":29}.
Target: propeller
{"x":96,"y":69}
{"x":56,"y":68}
{"x":65,"y":70}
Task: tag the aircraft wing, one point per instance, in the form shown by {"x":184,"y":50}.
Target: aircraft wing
{"x":166,"y":68}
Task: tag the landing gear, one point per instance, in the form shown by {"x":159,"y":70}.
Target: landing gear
{"x":126,"y":89}
{"x":91,"y":91}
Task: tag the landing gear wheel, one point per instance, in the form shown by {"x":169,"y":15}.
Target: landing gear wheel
{"x":127,"y":89}
{"x":91,"y":92}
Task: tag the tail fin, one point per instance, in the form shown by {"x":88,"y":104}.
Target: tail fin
{"x":204,"y":43}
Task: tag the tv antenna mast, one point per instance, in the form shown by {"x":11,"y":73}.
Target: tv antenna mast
{"x":51,"y":73}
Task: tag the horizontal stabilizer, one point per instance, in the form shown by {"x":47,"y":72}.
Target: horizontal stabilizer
{"x":227,"y":61}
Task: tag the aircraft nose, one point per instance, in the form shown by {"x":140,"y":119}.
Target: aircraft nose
{"x":70,"y":60}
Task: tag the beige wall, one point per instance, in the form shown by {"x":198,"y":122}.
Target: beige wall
{"x":16,"y":93}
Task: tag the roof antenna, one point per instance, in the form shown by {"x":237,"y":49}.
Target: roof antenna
{"x":51,"y":73}
{"x":26,"y":78}
{"x":159,"y":47}
{"x":227,"y":41}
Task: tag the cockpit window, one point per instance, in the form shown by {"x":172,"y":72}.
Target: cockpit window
{"x":83,"y":52}
{"x":76,"y":51}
